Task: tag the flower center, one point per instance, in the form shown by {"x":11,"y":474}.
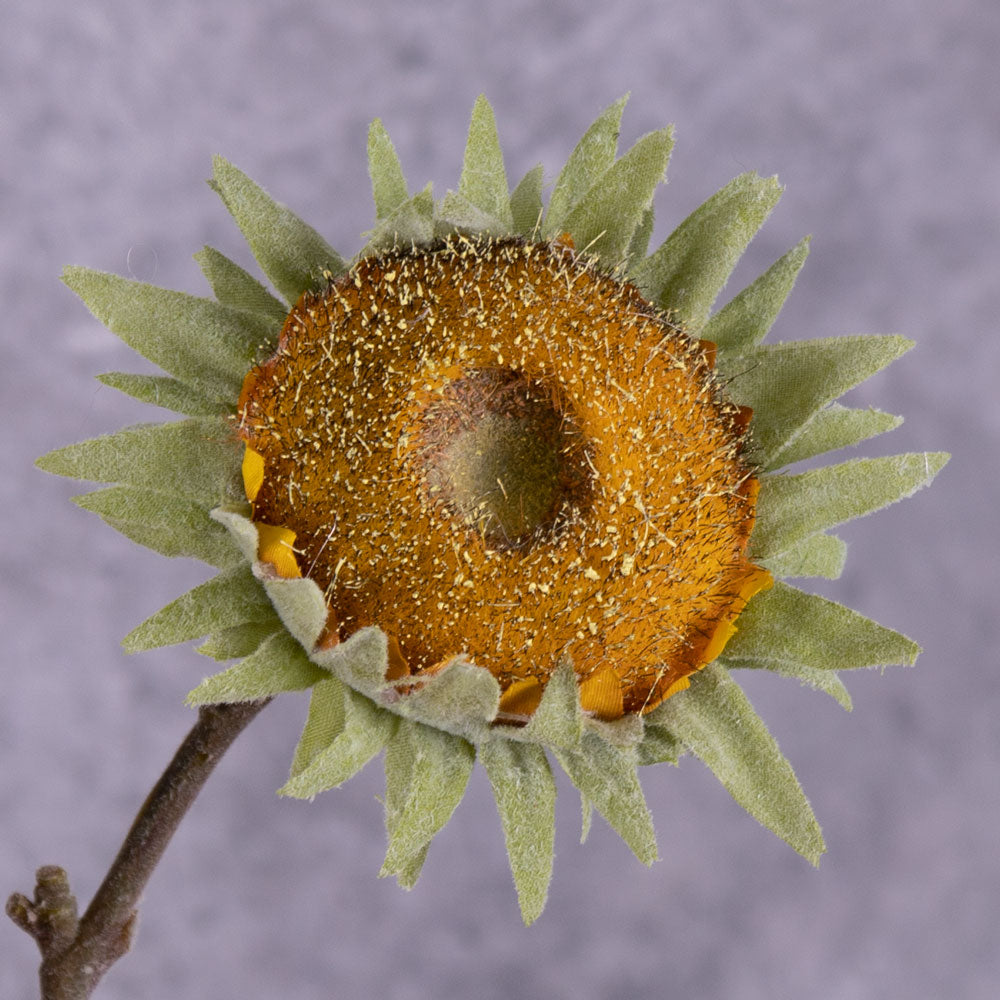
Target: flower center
{"x":501,"y":457}
{"x":490,"y":448}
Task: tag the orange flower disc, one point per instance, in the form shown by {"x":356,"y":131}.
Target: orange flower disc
{"x":492,"y":448}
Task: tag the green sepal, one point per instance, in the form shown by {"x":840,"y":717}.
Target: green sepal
{"x":233,"y":286}
{"x":412,"y":224}
{"x":279,"y":664}
{"x":165,"y":391}
{"x":231,"y":598}
{"x":457,"y":213}
{"x":426,"y":774}
{"x":399,"y":766}
{"x":196,"y":458}
{"x":239,"y":640}
{"x":324,"y":723}
{"x":639,"y":245}
{"x":167,"y":523}
{"x":460,"y":698}
{"x":745,"y":320}
{"x":367,"y":729}
{"x":592,"y":158}
{"x":792,"y":507}
{"x":484,"y":182}
{"x":817,"y":555}
{"x":831,"y":428}
{"x":606,"y":218}
{"x":819,"y":678}
{"x":525,"y":794}
{"x":787,"y":383}
{"x":686,"y":274}
{"x":714,"y":719}
{"x":526,"y":203}
{"x":203,"y":342}
{"x":361,"y":661}
{"x":389,"y":188}
{"x":658,"y":746}
{"x":625,"y":733}
{"x":586,"y":817}
{"x":787,"y":625}
{"x":290,"y":252}
{"x":558,"y":719}
{"x":606,"y":776}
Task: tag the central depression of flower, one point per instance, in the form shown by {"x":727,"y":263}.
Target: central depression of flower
{"x":491,"y":448}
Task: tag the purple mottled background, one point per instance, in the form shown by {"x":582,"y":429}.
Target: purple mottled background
{"x":883,"y":120}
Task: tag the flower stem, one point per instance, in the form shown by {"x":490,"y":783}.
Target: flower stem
{"x":76,"y":952}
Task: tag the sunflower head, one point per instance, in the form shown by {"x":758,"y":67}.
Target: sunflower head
{"x":504,"y":487}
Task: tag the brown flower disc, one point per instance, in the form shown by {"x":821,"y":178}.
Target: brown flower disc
{"x":492,"y":448}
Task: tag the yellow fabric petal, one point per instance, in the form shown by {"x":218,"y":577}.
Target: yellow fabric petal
{"x":522,"y":697}
{"x":601,"y":694}
{"x":253,"y":473}
{"x":274,"y":546}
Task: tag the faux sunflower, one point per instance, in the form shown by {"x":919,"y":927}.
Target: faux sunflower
{"x":502,"y":487}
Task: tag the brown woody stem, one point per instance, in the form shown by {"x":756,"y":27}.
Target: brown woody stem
{"x":76,"y":952}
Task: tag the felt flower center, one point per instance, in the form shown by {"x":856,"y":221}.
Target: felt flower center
{"x":492,"y":448}
{"x":504,"y":457}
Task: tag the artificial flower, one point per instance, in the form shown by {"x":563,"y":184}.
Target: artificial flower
{"x":503,"y":487}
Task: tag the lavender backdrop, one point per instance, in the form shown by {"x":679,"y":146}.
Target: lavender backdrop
{"x":883,"y":120}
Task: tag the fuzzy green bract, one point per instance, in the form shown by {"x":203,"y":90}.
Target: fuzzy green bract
{"x":176,"y":488}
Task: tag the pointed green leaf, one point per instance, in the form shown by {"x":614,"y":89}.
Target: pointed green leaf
{"x":525,"y":793}
{"x":592,"y":158}
{"x":163,"y":521}
{"x":170,"y":393}
{"x":526,"y":203}
{"x":787,"y":383}
{"x":367,"y":729}
{"x":203,"y":342}
{"x":279,"y":664}
{"x":399,"y":766}
{"x":686,"y":274}
{"x":606,"y":776}
{"x":412,"y":224}
{"x":833,"y":427}
{"x":461,"y":698}
{"x":456,"y":212}
{"x":826,"y":681}
{"x":625,"y":733}
{"x":745,"y":320}
{"x":715,"y":720}
{"x":300,"y":605}
{"x":388,"y":183}
{"x":586,"y":817}
{"x":558,"y":720}
{"x":606,"y":218}
{"x":792,"y":507}
{"x":438,"y":766}
{"x":234,"y":287}
{"x":787,"y":624}
{"x":818,"y":555}
{"x":196,"y":458}
{"x":324,"y":723}
{"x":639,"y":246}
{"x":361,"y":661}
{"x":483,"y":182}
{"x":290,"y":252}
{"x":238,"y":641}
{"x":659,"y":746}
{"x":231,"y":598}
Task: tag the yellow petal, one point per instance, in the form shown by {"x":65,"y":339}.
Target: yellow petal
{"x":274,"y":546}
{"x":601,"y":694}
{"x":253,"y":473}
{"x":522,"y":697}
